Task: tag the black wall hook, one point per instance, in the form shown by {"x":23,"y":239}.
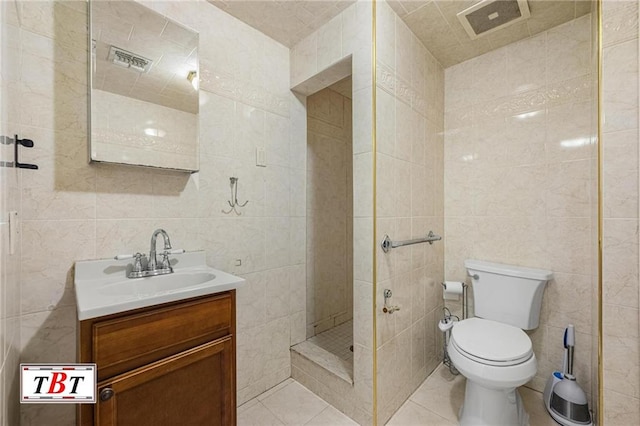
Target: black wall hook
{"x":27,"y":143}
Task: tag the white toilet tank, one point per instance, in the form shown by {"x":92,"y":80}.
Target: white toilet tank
{"x":506,"y":293}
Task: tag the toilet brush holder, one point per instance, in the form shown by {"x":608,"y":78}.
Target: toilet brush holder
{"x":566,"y":402}
{"x":556,"y":377}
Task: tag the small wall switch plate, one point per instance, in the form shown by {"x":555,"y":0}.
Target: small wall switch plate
{"x":261,"y":157}
{"x":238,"y":262}
{"x":13,"y":231}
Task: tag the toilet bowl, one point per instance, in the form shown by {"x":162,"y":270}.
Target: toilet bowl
{"x":491,"y":350}
{"x":495,"y":358}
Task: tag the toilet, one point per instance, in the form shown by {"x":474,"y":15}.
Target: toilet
{"x":491,"y":349}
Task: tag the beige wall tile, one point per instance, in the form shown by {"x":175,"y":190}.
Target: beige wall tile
{"x":409,"y":117}
{"x":386,"y":33}
{"x":620,"y":21}
{"x":621,"y":375}
{"x":620,"y":408}
{"x":459,"y":90}
{"x":362,"y":127}
{"x":568,"y":241}
{"x":568,"y":186}
{"x":619,"y":263}
{"x":250,"y":350}
{"x":517,"y":161}
{"x":330,"y":200}
{"x":570,"y":49}
{"x":525,"y":70}
{"x":613,"y":315}
{"x":330,"y":43}
{"x":385,"y":122}
{"x":50,"y":248}
{"x":362,"y":249}
{"x":123,"y":192}
{"x":48,"y":336}
{"x":489,"y":75}
{"x":620,"y":174}
{"x":404,"y":49}
{"x":568,"y":132}
{"x":620,"y":87}
{"x":305,"y":59}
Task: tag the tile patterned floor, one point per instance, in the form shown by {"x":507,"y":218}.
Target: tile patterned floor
{"x":435,"y":403}
{"x":336,"y":340}
{"x":290,"y":403}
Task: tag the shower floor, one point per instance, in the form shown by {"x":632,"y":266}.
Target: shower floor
{"x":336,"y":340}
{"x":329,"y":350}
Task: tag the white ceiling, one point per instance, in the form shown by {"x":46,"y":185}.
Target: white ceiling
{"x":434,"y":22}
{"x":286,"y":21}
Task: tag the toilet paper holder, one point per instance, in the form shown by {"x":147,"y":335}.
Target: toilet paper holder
{"x":464,"y":297}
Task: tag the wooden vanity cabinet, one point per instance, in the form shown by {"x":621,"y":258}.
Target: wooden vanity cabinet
{"x":170,"y":364}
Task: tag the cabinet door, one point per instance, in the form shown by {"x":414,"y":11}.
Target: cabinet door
{"x":195,"y":387}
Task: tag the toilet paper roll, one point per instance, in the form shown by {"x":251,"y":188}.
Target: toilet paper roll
{"x":452,"y":290}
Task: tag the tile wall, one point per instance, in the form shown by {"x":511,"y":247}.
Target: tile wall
{"x":409,"y":122}
{"x":621,"y":355}
{"x":9,"y":201}
{"x":518,"y":152}
{"x":329,"y":211}
{"x":72,"y":210}
{"x":340,"y":48}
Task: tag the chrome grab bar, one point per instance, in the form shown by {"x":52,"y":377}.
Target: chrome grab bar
{"x":387,"y":244}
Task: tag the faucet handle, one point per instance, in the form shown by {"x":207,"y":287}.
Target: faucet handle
{"x":174,"y":251}
{"x":136,"y":272}
{"x":128,"y":256}
{"x":137,"y":266}
{"x":165,"y":257}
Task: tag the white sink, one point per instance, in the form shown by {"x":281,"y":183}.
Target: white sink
{"x":149,"y":286}
{"x":102,"y":287}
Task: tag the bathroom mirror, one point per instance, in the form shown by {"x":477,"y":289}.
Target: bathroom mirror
{"x":143,"y":87}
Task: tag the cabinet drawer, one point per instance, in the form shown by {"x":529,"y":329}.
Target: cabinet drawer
{"x":128,"y":342}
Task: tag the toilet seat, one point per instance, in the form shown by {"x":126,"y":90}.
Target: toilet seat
{"x":491,"y":343}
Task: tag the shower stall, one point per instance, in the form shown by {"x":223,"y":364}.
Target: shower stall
{"x":330,"y":224}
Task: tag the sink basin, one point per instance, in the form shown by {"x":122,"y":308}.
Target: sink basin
{"x":102,"y":287}
{"x":178,"y":281}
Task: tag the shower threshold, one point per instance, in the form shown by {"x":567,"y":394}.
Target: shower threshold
{"x":330,"y":350}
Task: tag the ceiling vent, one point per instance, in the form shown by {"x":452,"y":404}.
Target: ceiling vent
{"x":128,"y":59}
{"x":488,"y":16}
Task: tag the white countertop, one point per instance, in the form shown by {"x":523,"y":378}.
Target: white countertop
{"x":102,"y":287}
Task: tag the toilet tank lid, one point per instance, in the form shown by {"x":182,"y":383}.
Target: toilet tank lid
{"x":510,"y":270}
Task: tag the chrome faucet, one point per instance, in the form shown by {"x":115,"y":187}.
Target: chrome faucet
{"x":140,"y":270}
{"x":152,"y":266}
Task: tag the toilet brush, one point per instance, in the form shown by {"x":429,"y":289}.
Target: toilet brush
{"x":568,"y":405}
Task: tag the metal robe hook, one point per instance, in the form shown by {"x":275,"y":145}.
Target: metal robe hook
{"x":233,"y":203}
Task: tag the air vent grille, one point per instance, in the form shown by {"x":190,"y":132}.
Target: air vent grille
{"x":488,"y":16}
{"x":126,"y":59}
